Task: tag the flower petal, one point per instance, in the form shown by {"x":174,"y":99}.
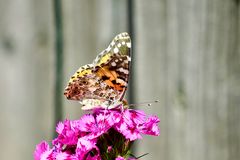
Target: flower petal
{"x":151,"y":126}
{"x":41,"y":148}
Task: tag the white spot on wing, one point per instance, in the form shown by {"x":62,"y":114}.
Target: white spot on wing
{"x":121,"y":81}
{"x":129,"y":45}
{"x":115,"y":50}
{"x":125,"y":71}
{"x":113,"y":64}
{"x":119,"y":45}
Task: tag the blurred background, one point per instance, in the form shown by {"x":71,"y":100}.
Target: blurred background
{"x":186,"y":53}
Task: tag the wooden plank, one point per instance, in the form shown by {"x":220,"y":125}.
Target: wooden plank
{"x":185,"y":56}
{"x":26,"y":82}
{"x":150,"y":64}
{"x":233,"y":80}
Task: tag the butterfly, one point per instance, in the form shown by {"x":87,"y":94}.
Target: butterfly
{"x":103,"y":82}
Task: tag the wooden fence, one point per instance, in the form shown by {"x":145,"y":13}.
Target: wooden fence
{"x":186,"y":54}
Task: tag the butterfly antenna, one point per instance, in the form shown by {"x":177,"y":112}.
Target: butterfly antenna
{"x":143,"y":103}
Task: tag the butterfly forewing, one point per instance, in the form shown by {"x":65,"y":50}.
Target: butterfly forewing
{"x":112,"y":65}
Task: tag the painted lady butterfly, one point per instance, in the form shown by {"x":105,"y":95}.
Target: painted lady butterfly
{"x":104,"y":82}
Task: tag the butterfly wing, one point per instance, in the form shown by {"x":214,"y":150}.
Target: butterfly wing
{"x":81,"y":83}
{"x":113,"y":65}
{"x":105,"y":81}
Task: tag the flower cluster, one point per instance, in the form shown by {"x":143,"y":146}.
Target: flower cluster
{"x":101,"y":135}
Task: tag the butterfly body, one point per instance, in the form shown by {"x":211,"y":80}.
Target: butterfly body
{"x":104,"y":82}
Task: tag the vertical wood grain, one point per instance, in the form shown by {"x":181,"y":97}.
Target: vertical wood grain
{"x":196,"y":73}
{"x":25,"y":76}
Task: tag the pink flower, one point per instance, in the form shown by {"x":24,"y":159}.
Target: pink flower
{"x":64,"y":156}
{"x":133,"y":124}
{"x":95,"y":126}
{"x":150,"y":127}
{"x":68,"y":133}
{"x":104,"y":134}
{"x":42,"y":151}
{"x":84,"y":147}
